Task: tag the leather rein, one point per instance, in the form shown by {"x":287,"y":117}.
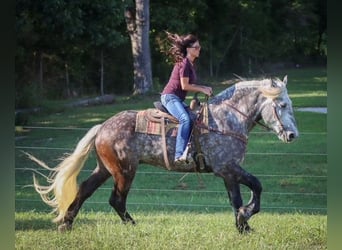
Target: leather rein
{"x":240,"y":136}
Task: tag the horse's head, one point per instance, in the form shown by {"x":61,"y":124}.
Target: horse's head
{"x":277,"y":111}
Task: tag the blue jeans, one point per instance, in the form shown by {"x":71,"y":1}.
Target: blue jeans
{"x":177,"y":108}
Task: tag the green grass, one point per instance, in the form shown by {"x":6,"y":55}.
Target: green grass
{"x":306,"y":87}
{"x":177,"y":210}
{"x":173,"y":230}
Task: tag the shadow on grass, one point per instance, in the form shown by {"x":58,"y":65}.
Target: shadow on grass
{"x":34,"y":224}
{"x":39,"y":221}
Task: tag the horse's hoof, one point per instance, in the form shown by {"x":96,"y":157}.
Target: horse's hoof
{"x":244,"y":228}
{"x":242,"y":216}
{"x":129,"y":221}
{"x":64,"y":227}
{"x":241,"y":220}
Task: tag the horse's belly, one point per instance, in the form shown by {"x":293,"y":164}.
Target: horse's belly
{"x":221,"y":149}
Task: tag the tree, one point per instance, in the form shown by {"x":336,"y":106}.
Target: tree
{"x":46,"y":30}
{"x":58,"y":35}
{"x":63,"y":46}
{"x":138,"y":26}
{"x":220,"y":34}
{"x":102,"y":19}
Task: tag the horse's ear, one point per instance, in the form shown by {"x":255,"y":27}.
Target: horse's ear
{"x":285,"y":80}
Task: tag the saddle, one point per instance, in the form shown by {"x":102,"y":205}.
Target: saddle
{"x":154,"y":121}
{"x":158,"y":121}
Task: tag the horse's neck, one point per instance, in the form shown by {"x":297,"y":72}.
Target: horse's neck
{"x":246,"y":101}
{"x":242,"y":108}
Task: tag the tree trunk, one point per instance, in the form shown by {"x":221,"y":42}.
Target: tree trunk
{"x":67,"y":81}
{"x":138,"y":26}
{"x":225,"y":52}
{"x":102,"y":74}
{"x":211,"y":69}
{"x":41,"y":79}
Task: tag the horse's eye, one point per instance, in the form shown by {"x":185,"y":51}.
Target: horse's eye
{"x":283,"y":105}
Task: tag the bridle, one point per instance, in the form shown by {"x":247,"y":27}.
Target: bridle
{"x":274,"y":105}
{"x":254,"y":121}
{"x":240,"y":136}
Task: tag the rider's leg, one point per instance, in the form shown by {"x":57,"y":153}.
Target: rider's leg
{"x":176,"y":107}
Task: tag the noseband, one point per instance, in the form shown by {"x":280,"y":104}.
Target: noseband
{"x":274,"y":105}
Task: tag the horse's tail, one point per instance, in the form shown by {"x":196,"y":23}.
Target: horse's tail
{"x":63,"y":188}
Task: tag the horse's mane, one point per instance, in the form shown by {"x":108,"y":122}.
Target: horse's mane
{"x":273,"y":89}
{"x":270,"y":88}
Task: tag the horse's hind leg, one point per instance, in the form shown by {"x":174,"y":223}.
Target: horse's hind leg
{"x":86,"y":189}
{"x":119,"y":195}
{"x":123,"y":173}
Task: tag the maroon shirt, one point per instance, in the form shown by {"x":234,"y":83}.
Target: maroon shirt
{"x":181,"y":69}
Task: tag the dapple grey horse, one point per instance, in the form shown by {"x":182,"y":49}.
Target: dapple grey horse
{"x":120,"y":149}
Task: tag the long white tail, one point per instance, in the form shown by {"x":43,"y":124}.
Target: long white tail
{"x":63,"y":178}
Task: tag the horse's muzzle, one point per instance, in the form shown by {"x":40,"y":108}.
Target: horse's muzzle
{"x":288,"y":136}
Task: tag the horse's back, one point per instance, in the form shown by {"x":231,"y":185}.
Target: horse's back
{"x":119,"y":127}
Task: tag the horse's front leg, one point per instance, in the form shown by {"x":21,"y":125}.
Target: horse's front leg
{"x":254,"y":185}
{"x":233,"y":177}
{"x":235,"y":199}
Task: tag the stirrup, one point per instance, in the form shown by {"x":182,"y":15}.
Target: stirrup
{"x":186,"y":164}
{"x":185,"y":159}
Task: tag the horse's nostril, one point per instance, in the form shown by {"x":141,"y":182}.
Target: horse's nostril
{"x":291,"y":136}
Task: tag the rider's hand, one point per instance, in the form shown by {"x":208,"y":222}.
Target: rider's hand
{"x":207,"y":91}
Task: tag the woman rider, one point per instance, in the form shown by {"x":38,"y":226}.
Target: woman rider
{"x":184,"y":50}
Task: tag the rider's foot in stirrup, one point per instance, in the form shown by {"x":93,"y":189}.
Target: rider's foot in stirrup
{"x":184,"y":161}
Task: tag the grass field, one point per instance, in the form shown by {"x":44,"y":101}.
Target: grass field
{"x":184,"y":211}
{"x":173,"y":230}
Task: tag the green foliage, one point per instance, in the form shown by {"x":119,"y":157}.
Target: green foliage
{"x":62,"y":39}
{"x":21,"y":119}
{"x":244,"y":37}
{"x":27,"y":96}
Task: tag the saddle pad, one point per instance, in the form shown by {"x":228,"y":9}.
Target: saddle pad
{"x":144,"y":124}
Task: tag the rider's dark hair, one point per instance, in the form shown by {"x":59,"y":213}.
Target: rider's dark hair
{"x":178,"y":45}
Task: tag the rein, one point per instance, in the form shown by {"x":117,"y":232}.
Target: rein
{"x":246,"y":116}
{"x":239,"y":136}
{"x":259,"y":123}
